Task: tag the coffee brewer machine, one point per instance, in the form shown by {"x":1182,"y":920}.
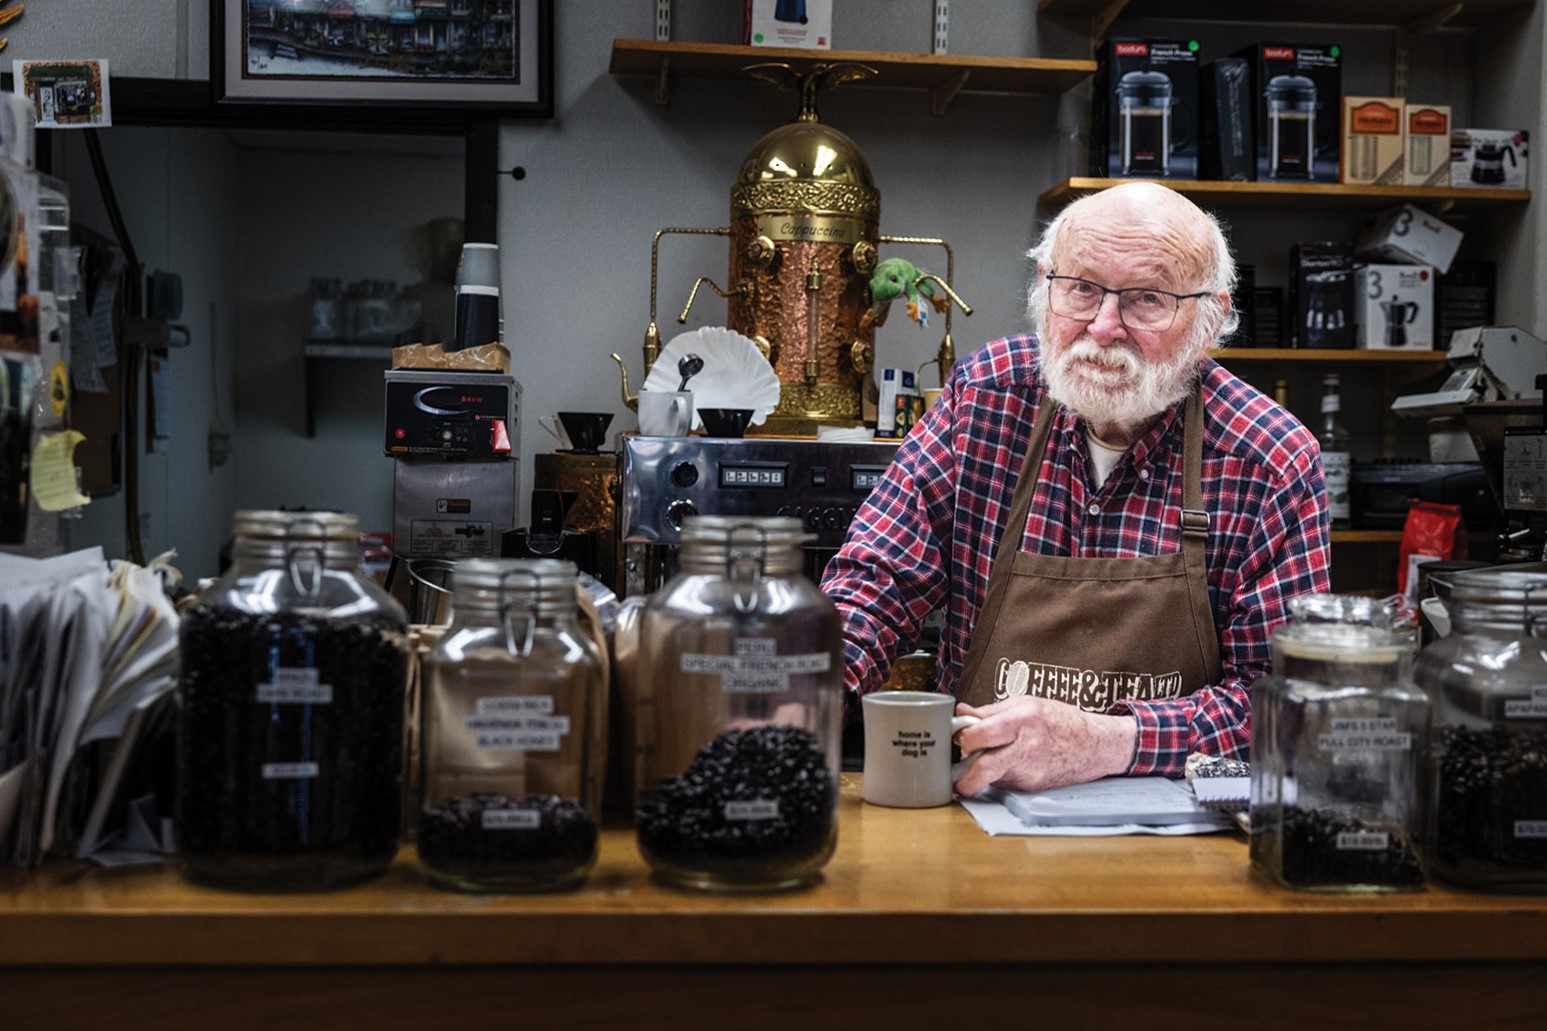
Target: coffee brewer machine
{"x":456,"y":443}
{"x":805,"y":227}
{"x":1488,"y":162}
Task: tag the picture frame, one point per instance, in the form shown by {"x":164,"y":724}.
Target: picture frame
{"x":382,"y":61}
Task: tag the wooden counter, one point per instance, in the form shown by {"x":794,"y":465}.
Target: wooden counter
{"x":919,"y":914}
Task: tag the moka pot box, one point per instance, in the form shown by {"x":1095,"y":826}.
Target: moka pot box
{"x":1394,"y":307}
{"x":1145,"y":113}
{"x":1297,"y":92}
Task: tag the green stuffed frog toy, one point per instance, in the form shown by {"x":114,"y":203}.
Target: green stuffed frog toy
{"x":897,"y":277}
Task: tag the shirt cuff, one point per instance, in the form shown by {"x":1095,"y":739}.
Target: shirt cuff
{"x":1161,"y":748}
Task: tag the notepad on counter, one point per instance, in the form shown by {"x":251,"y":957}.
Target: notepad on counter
{"x":1148,"y":801}
{"x":1223,"y":792}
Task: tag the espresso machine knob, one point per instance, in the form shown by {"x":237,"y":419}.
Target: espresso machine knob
{"x":684,"y":474}
{"x":680,"y":511}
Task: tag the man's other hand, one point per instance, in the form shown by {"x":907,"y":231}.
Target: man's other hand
{"x":1032,"y":744}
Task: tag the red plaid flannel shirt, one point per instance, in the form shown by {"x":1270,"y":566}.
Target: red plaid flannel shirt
{"x":924,"y":539}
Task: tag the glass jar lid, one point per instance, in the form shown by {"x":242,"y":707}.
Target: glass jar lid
{"x":774,"y":541}
{"x":272,"y":534}
{"x":1344,"y":629}
{"x":1500,"y":597}
{"x":545,"y":584}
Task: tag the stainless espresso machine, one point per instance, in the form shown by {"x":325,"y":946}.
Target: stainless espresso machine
{"x":456,"y":440}
{"x":666,"y":480}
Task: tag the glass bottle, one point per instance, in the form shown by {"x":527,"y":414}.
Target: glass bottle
{"x":514,"y":742}
{"x":739,"y":712}
{"x":290,"y":712}
{"x":1281,"y":393}
{"x":1336,"y":457}
{"x":1486,"y":771}
{"x":1338,"y":730}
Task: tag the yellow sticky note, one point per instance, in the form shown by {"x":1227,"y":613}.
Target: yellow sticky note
{"x":53,"y":472}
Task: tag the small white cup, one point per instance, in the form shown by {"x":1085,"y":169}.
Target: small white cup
{"x":556,"y":429}
{"x":908,"y":748}
{"x":665,"y":413}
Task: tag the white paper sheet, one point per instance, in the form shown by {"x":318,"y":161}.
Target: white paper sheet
{"x":996,"y":819}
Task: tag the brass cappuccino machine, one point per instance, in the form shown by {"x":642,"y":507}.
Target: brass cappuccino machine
{"x":804,"y":238}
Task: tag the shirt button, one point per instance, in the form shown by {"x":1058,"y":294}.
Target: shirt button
{"x":1094,"y":510}
{"x":1144,"y":474}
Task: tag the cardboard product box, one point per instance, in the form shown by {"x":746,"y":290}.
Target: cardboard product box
{"x":806,"y":24}
{"x":1410,"y":235}
{"x":1464,"y":297}
{"x":1227,"y":147}
{"x":1489,"y":158}
{"x":1145,"y":111}
{"x":1321,"y":294}
{"x":1372,"y":152}
{"x":1297,"y":90}
{"x":1394,"y":307}
{"x":895,"y":408}
{"x":1427,"y":142}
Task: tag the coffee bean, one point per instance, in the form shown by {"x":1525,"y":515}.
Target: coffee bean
{"x":454,"y":840}
{"x":1312,"y":858}
{"x":1484,"y":781}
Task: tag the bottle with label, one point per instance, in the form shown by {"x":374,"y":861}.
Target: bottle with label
{"x":1281,"y":393}
{"x":1338,"y":731}
{"x":1336,"y":457}
{"x":739,"y":698}
{"x":290,"y":712}
{"x":514,"y":741}
{"x":1486,"y":771}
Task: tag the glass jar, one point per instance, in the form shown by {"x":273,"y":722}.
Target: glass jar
{"x":514,"y":742}
{"x":1486,"y":770}
{"x":1338,"y":730}
{"x":290,"y":714}
{"x":739,"y":712}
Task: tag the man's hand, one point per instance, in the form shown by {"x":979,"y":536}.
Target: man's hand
{"x":1031,"y":744}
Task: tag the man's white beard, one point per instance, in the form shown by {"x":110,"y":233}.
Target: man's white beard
{"x":1121,"y":387}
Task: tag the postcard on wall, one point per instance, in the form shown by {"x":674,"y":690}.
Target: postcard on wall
{"x":69,"y":94}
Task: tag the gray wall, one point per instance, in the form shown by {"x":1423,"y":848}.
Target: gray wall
{"x":248,"y":221}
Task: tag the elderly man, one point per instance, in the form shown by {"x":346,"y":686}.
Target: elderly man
{"x":1111,"y":522}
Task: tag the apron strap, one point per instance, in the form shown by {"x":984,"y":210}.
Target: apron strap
{"x":1195,"y":533}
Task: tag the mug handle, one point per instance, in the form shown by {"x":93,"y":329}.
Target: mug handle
{"x":959,"y":769}
{"x":548,"y":423}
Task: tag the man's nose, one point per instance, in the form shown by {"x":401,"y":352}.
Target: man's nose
{"x":1107,"y":325}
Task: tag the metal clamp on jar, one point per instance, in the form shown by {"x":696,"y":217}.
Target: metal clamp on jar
{"x":1338,"y":728}
{"x":740,"y":691}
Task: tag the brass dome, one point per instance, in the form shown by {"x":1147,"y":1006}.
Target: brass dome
{"x":809,"y":166}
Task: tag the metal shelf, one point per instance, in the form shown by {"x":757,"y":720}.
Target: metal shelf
{"x":1325,"y":196}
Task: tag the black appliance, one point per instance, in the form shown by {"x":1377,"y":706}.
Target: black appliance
{"x":1381,"y":492}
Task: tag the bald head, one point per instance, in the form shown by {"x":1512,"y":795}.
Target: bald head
{"x":1155,"y":227}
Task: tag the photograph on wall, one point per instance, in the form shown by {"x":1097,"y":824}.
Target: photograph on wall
{"x":383,"y":52}
{"x":66,"y":94}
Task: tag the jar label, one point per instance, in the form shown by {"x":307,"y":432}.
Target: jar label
{"x":1363,"y":841}
{"x":1533,"y":708}
{"x":295,"y":686}
{"x":512,"y":819}
{"x":518,"y":733}
{"x":1375,"y":734}
{"x":755,"y":809}
{"x":756,"y":667}
{"x":1531,"y":828}
{"x":505,"y":704}
{"x":290,"y":771}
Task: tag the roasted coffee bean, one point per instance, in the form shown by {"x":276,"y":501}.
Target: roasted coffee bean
{"x":455,"y":838}
{"x":1485,"y":782}
{"x":1311,"y":855}
{"x":776,"y":773}
{"x":328,"y":808}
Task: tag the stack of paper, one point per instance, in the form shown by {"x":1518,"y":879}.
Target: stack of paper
{"x":1115,"y":805}
{"x":88,"y":653}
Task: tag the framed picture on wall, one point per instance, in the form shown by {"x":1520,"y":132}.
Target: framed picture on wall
{"x":427,"y":60}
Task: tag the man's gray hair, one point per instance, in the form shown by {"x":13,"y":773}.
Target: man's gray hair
{"x":1220,"y":278}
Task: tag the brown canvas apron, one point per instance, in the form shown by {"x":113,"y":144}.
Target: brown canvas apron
{"x":1094,"y":631}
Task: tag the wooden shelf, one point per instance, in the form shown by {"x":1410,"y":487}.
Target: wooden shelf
{"x":1366,"y":536}
{"x":334,"y":349}
{"x":1321,"y":356}
{"x":943,"y":75}
{"x":1328,"y":12}
{"x":1326,"y":196}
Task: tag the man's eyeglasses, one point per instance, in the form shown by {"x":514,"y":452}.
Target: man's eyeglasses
{"x":1139,"y":307}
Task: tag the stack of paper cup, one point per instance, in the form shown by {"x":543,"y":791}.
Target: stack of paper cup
{"x":478,"y":296}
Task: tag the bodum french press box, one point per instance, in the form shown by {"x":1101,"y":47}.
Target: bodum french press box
{"x":1146,"y":112}
{"x":1298,"y":89}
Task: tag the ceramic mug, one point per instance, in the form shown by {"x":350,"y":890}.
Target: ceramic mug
{"x":908,"y":748}
{"x":665,"y":413}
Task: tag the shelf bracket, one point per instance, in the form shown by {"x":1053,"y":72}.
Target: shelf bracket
{"x":1405,"y":35}
{"x":941,"y":96}
{"x":1102,"y":21}
{"x":663,"y":83}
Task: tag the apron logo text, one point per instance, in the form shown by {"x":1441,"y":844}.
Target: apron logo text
{"x":1091,"y":690}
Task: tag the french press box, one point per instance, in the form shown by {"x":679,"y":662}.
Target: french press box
{"x":1146,"y":112}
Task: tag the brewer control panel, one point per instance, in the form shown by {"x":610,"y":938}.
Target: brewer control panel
{"x":465,"y":415}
